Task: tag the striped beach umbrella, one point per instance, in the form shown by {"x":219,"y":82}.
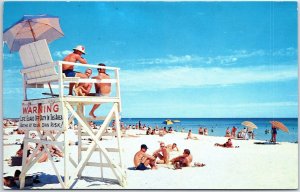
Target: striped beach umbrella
{"x":249,"y":125}
{"x":167,"y":122}
{"x":279,"y":125}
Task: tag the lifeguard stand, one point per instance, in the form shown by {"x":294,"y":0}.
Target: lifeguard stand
{"x":50,"y":116}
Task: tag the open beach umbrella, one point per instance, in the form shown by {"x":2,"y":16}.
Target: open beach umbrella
{"x":279,"y":125}
{"x":167,"y":122}
{"x":32,"y":28}
{"x":249,"y":125}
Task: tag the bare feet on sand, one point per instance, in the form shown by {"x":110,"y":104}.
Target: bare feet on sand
{"x":199,"y":164}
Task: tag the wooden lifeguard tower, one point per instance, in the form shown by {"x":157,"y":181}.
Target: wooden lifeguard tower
{"x":50,"y":117}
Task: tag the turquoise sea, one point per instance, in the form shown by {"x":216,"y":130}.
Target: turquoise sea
{"x":217,"y":126}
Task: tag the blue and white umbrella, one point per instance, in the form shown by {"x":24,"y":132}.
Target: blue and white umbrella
{"x":32,"y":28}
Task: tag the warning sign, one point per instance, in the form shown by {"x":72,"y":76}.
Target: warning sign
{"x":46,"y":114}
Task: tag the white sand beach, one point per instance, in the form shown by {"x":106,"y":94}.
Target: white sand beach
{"x":251,"y":166}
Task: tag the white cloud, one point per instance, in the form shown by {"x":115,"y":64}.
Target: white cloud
{"x":181,"y":77}
{"x":290,"y":51}
{"x":61,"y":54}
{"x":10,"y":57}
{"x":190,"y":59}
{"x":12,"y":91}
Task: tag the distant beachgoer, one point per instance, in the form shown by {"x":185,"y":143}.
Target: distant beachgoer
{"x":201,"y":132}
{"x":162,"y":153}
{"x":19,"y":153}
{"x":251,"y":134}
{"x":190,"y":136}
{"x":170,"y":130}
{"x":227,"y":134}
{"x":183,"y":160}
{"x":165,"y":130}
{"x":274,"y":134}
{"x":153,"y":132}
{"x":205,"y":131}
{"x":148,"y":132}
{"x":244,"y":130}
{"x":228,"y":144}
{"x":102,"y":89}
{"x":142,"y":159}
{"x":173,"y":147}
{"x":233,"y":131}
{"x":82,"y":89}
{"x":68,"y":70}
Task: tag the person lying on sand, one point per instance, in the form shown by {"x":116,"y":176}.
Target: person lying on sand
{"x":190,"y":136}
{"x":172,"y":147}
{"x":10,"y":181}
{"x":43,"y":158}
{"x":55,"y":152}
{"x":162,"y":153}
{"x":141,"y":159}
{"x":19,"y":153}
{"x":183,"y":160}
{"x":228,"y":144}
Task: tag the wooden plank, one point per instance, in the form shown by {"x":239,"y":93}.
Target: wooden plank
{"x":112,"y":150}
{"x":87,"y":65}
{"x":104,"y":134}
{"x":44,"y":142}
{"x":79,"y":80}
{"x":94,"y":164}
{"x":40,"y":67}
{"x":90,"y":99}
{"x":99,"y":118}
{"x":39,"y":80}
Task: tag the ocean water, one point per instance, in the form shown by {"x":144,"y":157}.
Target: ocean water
{"x":217,"y":126}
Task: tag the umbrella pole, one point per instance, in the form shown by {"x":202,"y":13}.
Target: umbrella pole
{"x":33,"y":35}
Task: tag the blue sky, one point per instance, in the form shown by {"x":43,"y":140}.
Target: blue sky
{"x":178,"y":59}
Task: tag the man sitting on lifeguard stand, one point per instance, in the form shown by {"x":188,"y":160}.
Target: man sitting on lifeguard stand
{"x":68,"y":70}
{"x":102,"y":89}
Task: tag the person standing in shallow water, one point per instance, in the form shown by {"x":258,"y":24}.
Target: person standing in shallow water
{"x":274,"y":134}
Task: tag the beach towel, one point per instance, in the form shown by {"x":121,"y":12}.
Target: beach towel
{"x":266,"y":143}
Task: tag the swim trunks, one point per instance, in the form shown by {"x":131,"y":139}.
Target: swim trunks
{"x":99,"y":94}
{"x":69,"y":73}
{"x":141,"y":166}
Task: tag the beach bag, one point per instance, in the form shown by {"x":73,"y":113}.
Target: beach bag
{"x":16,"y":161}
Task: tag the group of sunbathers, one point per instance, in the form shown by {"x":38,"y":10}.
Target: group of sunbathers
{"x":142,"y":160}
{"x":83,"y":89}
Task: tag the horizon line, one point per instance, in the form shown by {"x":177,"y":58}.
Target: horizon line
{"x":192,"y":118}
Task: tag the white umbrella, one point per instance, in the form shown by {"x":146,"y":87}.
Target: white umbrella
{"x":32,"y":28}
